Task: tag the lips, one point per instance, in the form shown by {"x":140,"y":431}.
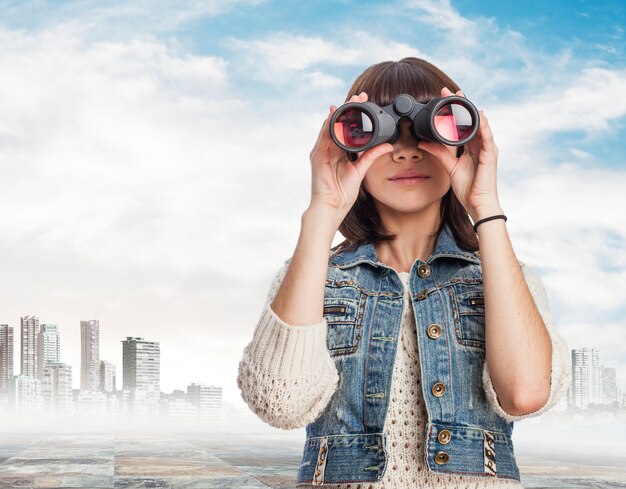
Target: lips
{"x":409,"y":174}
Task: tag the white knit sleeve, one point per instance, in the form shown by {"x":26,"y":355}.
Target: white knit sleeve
{"x":286,"y":375}
{"x":560,"y":377}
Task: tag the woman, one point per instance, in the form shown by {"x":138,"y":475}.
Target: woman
{"x":408,"y":350}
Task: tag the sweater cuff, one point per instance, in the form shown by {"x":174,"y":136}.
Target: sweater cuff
{"x":288,"y":351}
{"x":287,"y":376}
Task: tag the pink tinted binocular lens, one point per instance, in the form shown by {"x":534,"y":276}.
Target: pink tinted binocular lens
{"x":353,"y":128}
{"x":453,"y":122}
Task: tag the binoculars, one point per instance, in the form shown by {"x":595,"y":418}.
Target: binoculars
{"x":357,"y":126}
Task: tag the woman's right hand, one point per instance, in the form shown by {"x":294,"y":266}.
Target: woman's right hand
{"x":335,"y":179}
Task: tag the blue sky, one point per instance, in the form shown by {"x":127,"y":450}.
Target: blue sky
{"x":135,"y":196}
{"x":582,"y":26}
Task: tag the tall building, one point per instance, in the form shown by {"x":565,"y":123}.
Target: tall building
{"x":56,"y":387}
{"x":30,"y":329}
{"x":586,"y":377}
{"x":25,"y":393}
{"x":107,"y":377}
{"x":90,"y":355}
{"x":180,"y":410}
{"x":6,"y":356}
{"x":206,"y":398}
{"x":609,"y":385}
{"x":93,"y":405}
{"x":142,"y":372}
{"x":48,"y":347}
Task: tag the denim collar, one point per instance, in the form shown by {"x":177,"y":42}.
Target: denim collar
{"x":366,"y":253}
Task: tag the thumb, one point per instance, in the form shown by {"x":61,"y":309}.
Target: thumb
{"x":440,"y":151}
{"x":368,"y":157}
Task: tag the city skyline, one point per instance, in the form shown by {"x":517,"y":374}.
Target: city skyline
{"x":40,"y":334}
{"x":45,"y":382}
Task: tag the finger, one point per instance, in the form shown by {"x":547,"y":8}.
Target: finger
{"x":460,"y":93}
{"x":323,"y":137}
{"x":368,"y":157}
{"x":324,"y":131}
{"x":446,"y":92}
{"x":485,"y":130}
{"x":358,"y":97}
{"x":440,"y":151}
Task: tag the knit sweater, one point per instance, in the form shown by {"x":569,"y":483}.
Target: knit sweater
{"x":287,"y":377}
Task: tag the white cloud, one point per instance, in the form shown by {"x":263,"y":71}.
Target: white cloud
{"x":580,"y":154}
{"x":568,"y":221}
{"x":440,"y":14}
{"x":104,"y":126}
{"x":319,"y":79}
{"x":279,"y":56}
{"x":591,"y":103}
{"x":119,"y":18}
{"x":578,"y":198}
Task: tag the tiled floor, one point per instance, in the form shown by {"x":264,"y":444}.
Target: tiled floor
{"x":60,"y":460}
{"x":135,"y":459}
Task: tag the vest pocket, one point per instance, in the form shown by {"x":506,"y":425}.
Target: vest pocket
{"x":470,"y":320}
{"x":341,"y":315}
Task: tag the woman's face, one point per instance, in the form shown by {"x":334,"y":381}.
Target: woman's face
{"x":407,"y":195}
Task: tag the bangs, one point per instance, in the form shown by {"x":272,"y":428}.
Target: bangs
{"x":383,"y":82}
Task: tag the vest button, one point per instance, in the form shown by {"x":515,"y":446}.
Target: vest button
{"x":438,"y":389}
{"x":442,"y":458}
{"x":434,"y":331}
{"x":423,"y":270}
{"x":444,"y":437}
{"x":421,"y":296}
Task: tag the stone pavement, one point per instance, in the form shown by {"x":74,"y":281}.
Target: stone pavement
{"x":134,"y":459}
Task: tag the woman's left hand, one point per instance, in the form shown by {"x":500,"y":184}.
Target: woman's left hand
{"x":473,"y":175}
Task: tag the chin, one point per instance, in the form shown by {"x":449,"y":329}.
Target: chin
{"x":405,"y":204}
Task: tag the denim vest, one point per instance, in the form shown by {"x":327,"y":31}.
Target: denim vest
{"x":363,"y":304}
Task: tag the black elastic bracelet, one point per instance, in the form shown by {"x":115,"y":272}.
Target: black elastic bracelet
{"x":499,"y":216}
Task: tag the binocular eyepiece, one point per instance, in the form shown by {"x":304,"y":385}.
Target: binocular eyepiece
{"x":357,"y":126}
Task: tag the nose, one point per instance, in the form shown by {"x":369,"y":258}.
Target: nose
{"x":405,"y":148}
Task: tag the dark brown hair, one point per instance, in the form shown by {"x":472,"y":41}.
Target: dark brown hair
{"x":383,"y":82}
